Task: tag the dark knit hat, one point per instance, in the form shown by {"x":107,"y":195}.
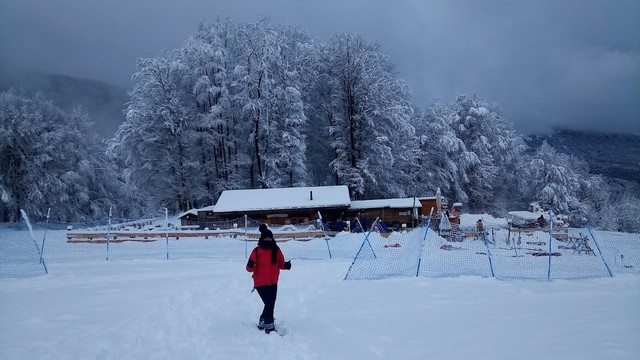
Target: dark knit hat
{"x":267,"y":241}
{"x":265,"y":234}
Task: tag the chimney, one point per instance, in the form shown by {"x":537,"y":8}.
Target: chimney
{"x":310,"y":195}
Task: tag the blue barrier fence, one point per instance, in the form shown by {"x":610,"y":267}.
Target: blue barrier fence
{"x":20,"y":254}
{"x":499,"y":252}
{"x":536,"y":254}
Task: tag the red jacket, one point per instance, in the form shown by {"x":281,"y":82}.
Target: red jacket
{"x":264,"y":271}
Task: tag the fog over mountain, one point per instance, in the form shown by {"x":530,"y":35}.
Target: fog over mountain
{"x":104,"y":102}
{"x":616,"y":156}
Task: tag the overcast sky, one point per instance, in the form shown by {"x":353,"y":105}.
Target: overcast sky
{"x":574,"y":64}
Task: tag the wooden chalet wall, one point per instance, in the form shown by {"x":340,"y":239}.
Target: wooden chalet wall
{"x":393,"y":217}
{"x":393,"y":213}
{"x":429,"y":203}
{"x":286,"y":216}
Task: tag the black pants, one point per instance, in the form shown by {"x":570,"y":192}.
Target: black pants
{"x":268,"y":295}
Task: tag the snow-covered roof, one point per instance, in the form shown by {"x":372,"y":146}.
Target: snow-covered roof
{"x":283,"y":198}
{"x":426,"y":198}
{"x":526,"y":215}
{"x":188,"y":212}
{"x":195,"y":211}
{"x":402,"y":203}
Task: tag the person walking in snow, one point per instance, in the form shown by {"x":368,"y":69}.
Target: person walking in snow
{"x":265,"y":262}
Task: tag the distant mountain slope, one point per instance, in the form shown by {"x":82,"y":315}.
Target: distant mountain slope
{"x":104,"y":102}
{"x":612,"y":155}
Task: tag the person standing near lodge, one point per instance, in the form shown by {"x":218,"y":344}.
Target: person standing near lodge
{"x":265,"y":262}
{"x":479,"y":229}
{"x":364,"y":221}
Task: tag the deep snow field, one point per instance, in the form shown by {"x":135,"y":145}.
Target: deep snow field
{"x":203,"y":309}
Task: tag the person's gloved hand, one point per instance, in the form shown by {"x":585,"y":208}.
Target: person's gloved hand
{"x":250,"y":263}
{"x":287,"y":265}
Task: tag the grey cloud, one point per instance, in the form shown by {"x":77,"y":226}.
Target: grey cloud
{"x":547,"y":63}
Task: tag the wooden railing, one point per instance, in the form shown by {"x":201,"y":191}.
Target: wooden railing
{"x":142,"y":236}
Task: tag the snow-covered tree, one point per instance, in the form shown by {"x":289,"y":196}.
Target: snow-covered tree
{"x":286,"y":109}
{"x":315,"y":93}
{"x":156,"y":140}
{"x":51,"y":159}
{"x":555,"y":183}
{"x":27,"y":178}
{"x":209,"y":56}
{"x":471,"y":153}
{"x":493,"y":150}
{"x":622,"y":213}
{"x":438,"y":149}
{"x":224,"y":111}
{"x":368,"y":112}
{"x":95,"y":184}
{"x":267,"y":91}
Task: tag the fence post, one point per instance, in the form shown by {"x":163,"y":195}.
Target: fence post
{"x":328,"y":247}
{"x":108,"y":232}
{"x":484,"y":239}
{"x":46,"y":226}
{"x":166,"y":228}
{"x":246,"y":235}
{"x":599,"y":252}
{"x":326,"y":237}
{"x":550,"y":239}
{"x":366,"y":240}
{"x":424,"y":239}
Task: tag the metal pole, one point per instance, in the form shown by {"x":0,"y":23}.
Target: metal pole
{"x":550,"y":239}
{"x":46,"y":226}
{"x":424,"y":239}
{"x":326,"y":237}
{"x":166,"y":227}
{"x":486,"y":245}
{"x":246,"y":236}
{"x":599,"y":252}
{"x":108,"y":233}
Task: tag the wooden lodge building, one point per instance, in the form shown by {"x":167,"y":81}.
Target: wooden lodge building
{"x":299,"y":205}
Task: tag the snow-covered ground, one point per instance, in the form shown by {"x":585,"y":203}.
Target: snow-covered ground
{"x":202,"y":308}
